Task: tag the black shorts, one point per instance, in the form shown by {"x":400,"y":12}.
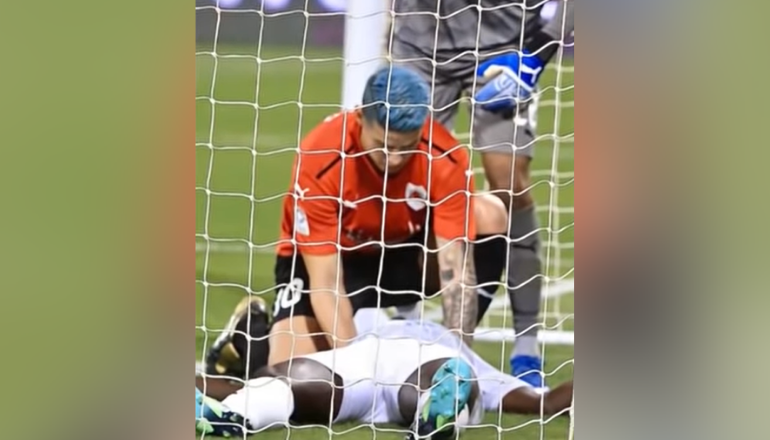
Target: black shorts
{"x":400,"y":282}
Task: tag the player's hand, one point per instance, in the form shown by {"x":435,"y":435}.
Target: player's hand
{"x":511,"y":80}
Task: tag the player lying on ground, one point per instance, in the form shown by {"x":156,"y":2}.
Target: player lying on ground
{"x":378,"y":175}
{"x":495,"y":53}
{"x":412,"y":373}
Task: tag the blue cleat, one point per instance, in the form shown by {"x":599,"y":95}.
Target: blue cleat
{"x":212,"y":418}
{"x":528,"y":369}
{"x":450,"y":391}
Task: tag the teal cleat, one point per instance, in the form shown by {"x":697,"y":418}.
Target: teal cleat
{"x":450,"y":391}
{"x":212,"y":418}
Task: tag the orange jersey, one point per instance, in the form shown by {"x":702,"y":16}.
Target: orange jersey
{"x":339,"y":200}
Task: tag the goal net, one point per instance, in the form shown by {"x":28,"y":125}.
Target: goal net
{"x":369,"y":38}
{"x":269,"y":70}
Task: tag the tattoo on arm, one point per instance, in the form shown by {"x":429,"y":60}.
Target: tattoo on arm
{"x":458,"y":281}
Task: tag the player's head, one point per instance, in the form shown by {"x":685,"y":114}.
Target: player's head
{"x":394,"y":111}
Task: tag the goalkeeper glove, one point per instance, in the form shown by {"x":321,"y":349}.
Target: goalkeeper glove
{"x":512,"y":79}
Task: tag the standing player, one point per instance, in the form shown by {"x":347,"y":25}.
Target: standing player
{"x":455,"y":45}
{"x":369,"y":188}
{"x":411,"y":373}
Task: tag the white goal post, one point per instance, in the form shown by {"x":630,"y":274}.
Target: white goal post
{"x":365,"y":49}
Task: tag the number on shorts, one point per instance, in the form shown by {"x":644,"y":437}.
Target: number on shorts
{"x":289,"y":296}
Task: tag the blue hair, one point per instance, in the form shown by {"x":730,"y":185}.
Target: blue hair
{"x":407,"y":94}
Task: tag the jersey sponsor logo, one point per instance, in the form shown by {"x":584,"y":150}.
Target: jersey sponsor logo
{"x":301,"y":224}
{"x":416,"y":196}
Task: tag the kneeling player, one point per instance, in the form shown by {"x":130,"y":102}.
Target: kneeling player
{"x":371,"y":189}
{"x":412,"y":373}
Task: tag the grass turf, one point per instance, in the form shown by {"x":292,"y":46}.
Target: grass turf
{"x":250,"y":117}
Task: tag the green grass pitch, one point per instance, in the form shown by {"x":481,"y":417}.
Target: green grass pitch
{"x":239,"y":197}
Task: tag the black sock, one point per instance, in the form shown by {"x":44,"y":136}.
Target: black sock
{"x":489,"y":256}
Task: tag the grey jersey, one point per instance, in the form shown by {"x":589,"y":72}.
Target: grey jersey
{"x":463,"y":25}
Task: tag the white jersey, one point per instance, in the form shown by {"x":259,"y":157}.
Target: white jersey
{"x":376,"y":366}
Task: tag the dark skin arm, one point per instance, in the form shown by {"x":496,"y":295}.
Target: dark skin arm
{"x":216,"y":387}
{"x":527,"y":401}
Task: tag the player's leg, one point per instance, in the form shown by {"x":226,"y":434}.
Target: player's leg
{"x":302,"y":391}
{"x":440,"y":396}
{"x":213,"y":418}
{"x":295,"y":336}
{"x":270,"y":397}
{"x":490,"y":248}
{"x":507,"y":147}
{"x":526,"y":400}
{"x":295,"y":331}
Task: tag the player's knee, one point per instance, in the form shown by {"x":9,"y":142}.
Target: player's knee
{"x":491,"y":215}
{"x":297,"y":336}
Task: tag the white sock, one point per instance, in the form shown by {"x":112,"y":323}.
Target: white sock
{"x":263,"y":402}
{"x":526,"y":346}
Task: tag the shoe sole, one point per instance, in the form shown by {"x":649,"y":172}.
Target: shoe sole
{"x":450,"y":391}
{"x":221,"y":348}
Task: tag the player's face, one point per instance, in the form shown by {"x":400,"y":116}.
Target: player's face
{"x":391,"y":151}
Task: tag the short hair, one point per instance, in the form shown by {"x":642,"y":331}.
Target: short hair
{"x":405,"y":108}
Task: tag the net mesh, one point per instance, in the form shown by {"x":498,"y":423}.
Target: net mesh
{"x":267,"y":72}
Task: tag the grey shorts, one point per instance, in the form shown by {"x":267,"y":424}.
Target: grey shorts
{"x":490,"y":132}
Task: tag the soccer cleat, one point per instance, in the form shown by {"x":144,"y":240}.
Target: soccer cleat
{"x":450,"y":391}
{"x":212,"y":418}
{"x":223,"y":358}
{"x":528,"y":369}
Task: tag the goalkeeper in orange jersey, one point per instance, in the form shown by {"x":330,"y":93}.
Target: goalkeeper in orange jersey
{"x":370,"y":189}
{"x":414,"y":374}
{"x":495,"y":53}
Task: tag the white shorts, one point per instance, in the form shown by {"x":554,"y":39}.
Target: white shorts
{"x":374,"y":368}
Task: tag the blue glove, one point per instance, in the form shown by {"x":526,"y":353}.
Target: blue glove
{"x":512,"y":79}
